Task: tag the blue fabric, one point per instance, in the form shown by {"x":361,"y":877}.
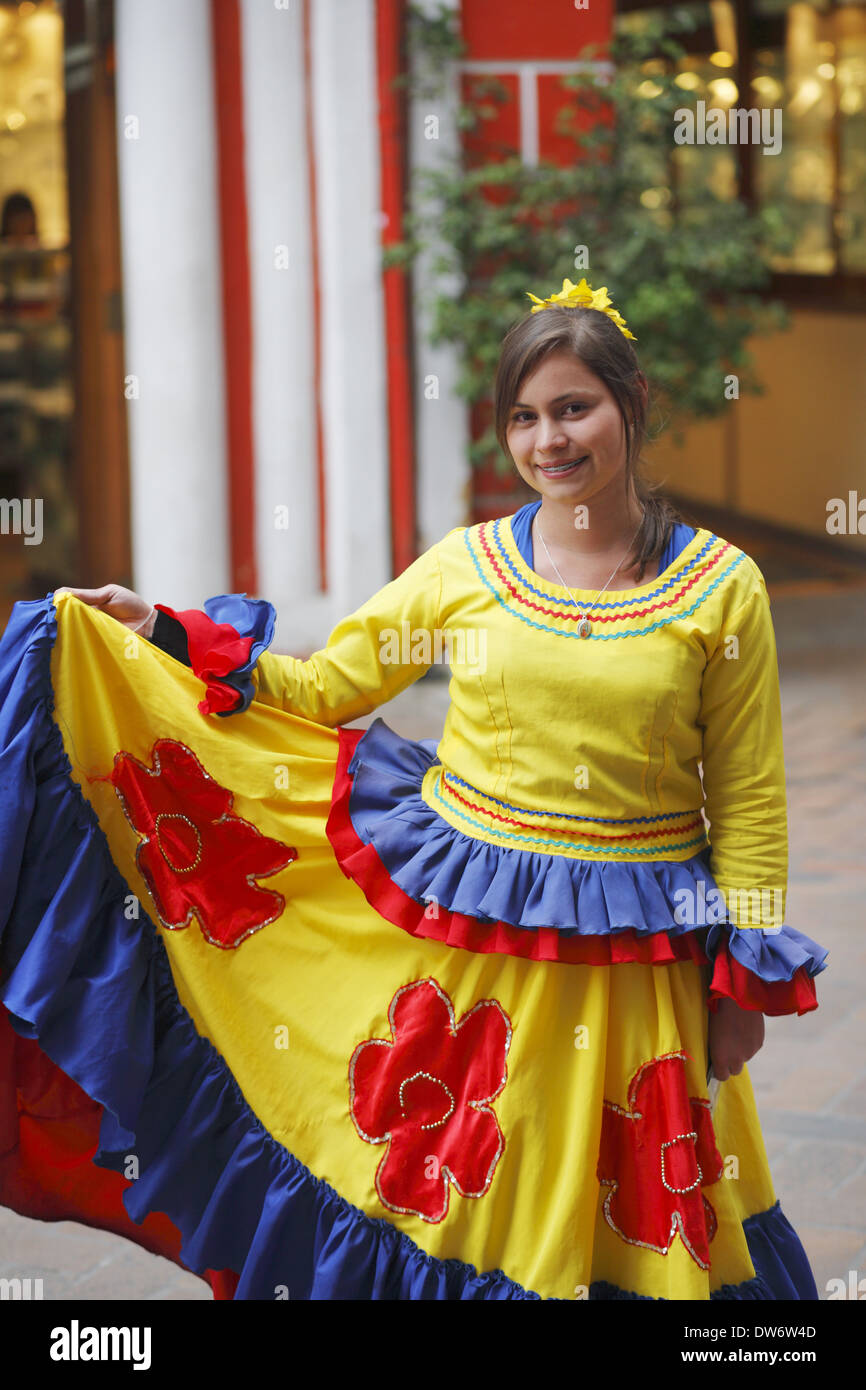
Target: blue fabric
{"x":251,"y":617}
{"x":781,"y":1267}
{"x":97,"y":992}
{"x":429,"y":859}
{"x":521,"y":526}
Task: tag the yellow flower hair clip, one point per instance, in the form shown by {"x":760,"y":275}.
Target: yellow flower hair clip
{"x":583,"y":296}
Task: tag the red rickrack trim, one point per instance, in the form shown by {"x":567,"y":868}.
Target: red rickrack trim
{"x":361,"y":864}
{"x":631,"y":613}
{"x":731,"y":980}
{"x":215,"y":649}
{"x":567,"y":830}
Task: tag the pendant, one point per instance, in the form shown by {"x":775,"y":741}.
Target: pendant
{"x":584,"y":627}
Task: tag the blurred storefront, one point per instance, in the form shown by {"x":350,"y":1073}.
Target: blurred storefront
{"x":36,"y":397}
{"x":209,"y":379}
{"x":773,"y":461}
{"x":777,"y":459}
{"x":64,"y":490}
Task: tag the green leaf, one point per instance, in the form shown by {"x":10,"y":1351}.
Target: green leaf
{"x":686,"y":277}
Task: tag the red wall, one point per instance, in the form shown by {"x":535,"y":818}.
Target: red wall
{"x":532,"y":28}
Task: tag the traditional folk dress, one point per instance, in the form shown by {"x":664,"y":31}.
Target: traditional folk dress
{"x":331,"y":1013}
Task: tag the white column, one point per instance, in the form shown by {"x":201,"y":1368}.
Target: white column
{"x":354,"y":400}
{"x":281,"y":273}
{"x":441,"y":416}
{"x":172,"y":299}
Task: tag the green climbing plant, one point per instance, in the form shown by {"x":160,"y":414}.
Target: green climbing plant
{"x":684,"y":262}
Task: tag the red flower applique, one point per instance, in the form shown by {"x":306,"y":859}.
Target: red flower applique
{"x":195,"y":856}
{"x":426,"y":1095}
{"x":655,"y":1157}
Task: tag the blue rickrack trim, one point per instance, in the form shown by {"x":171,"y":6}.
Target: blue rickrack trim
{"x":598,"y":636}
{"x":633,"y":851}
{"x":618,"y":603}
{"x":570,"y":815}
{"x":431,"y":860}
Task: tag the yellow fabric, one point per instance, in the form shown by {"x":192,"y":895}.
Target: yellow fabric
{"x":611,"y":727}
{"x":327,"y":969}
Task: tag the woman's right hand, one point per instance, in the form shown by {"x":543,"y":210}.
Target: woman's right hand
{"x":127,"y":607}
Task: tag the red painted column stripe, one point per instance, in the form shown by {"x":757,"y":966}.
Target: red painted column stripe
{"x":321,"y":491}
{"x":236,"y":292}
{"x":390,"y":55}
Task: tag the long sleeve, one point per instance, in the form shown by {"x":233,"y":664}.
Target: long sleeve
{"x":743,"y":764}
{"x":370,"y":656}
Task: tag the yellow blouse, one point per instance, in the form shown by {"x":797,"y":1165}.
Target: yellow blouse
{"x":617,"y":745}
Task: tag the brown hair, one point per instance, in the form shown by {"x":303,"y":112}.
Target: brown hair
{"x":594,"y":338}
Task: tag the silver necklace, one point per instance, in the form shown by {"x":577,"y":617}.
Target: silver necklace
{"x":584,"y":626}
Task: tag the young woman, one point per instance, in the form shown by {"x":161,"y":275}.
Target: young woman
{"x":431,"y":1020}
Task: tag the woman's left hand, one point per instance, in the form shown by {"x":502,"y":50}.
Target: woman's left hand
{"x":735,"y":1036}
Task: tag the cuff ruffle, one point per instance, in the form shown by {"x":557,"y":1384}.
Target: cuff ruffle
{"x":225,"y":642}
{"x":771,"y":971}
{"x":435,"y":881}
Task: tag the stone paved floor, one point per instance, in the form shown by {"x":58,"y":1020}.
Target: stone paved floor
{"x":810,"y":1076}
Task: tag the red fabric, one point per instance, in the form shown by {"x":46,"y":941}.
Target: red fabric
{"x":362,"y":864}
{"x":196,"y":857}
{"x":731,"y":980}
{"x":49,"y":1132}
{"x":215,"y":649}
{"x":656,"y":1157}
{"x":426,"y":1095}
{"x":626,"y":615}
{"x":229,"y":106}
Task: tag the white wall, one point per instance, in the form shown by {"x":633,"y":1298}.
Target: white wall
{"x":354,"y":385}
{"x":281,"y":273}
{"x":172,"y":296}
{"x":172,"y":300}
{"x":441,"y":419}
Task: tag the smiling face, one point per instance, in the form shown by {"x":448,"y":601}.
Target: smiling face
{"x":565,"y":415}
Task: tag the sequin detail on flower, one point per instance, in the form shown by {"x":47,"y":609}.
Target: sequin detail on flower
{"x":195,"y":856}
{"x":426,"y":1095}
{"x":655,"y":1157}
